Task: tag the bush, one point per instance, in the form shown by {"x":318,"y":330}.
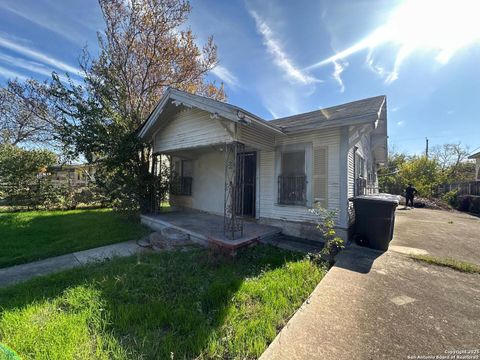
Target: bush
{"x":451,"y":198}
{"x":326,"y":226}
{"x":44,"y":195}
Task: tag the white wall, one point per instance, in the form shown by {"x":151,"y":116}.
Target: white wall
{"x":364,"y":149}
{"x":208,"y":183}
{"x":267,"y":183}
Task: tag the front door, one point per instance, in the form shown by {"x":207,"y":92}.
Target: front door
{"x":249,"y":183}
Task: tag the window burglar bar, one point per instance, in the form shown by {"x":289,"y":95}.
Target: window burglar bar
{"x":181,"y":186}
{"x":292,"y":190}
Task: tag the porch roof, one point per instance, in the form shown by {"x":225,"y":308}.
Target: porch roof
{"x":475,"y":156}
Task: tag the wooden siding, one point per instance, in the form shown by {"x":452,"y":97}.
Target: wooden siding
{"x":256,"y":137}
{"x":328,"y":139}
{"x":365,"y":151}
{"x":191,"y":128}
{"x":320,"y":175}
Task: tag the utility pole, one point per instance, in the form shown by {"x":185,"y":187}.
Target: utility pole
{"x":426,"y":147}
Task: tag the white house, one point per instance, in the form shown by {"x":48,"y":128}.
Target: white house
{"x":235,"y":164}
{"x":476,"y":156}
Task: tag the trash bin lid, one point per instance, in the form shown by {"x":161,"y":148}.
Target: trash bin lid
{"x":381,"y":197}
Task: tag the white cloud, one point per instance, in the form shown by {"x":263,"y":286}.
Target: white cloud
{"x":400,"y":123}
{"x":34,"y":54}
{"x":33,"y":67}
{"x":226,"y":76}
{"x":11,"y":74}
{"x":48,"y":19}
{"x":280,"y":58}
{"x":441,"y":28}
{"x":339,"y":67}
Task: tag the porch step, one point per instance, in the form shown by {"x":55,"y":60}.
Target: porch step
{"x":293,"y":243}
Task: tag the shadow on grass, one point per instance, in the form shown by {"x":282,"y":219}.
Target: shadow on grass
{"x":159,"y":304}
{"x":31,"y":236}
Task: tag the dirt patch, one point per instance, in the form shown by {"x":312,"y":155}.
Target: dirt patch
{"x":429,"y":203}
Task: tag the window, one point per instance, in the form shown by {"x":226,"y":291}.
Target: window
{"x":292,"y":181}
{"x":182,"y":178}
{"x":359,"y":166}
{"x":293,"y":163}
{"x":187,"y":168}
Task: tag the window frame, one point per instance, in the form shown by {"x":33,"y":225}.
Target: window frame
{"x":308,"y":149}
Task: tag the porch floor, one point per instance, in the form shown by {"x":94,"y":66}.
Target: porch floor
{"x":208,"y":228}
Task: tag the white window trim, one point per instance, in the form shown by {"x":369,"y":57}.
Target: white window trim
{"x":308,"y":148}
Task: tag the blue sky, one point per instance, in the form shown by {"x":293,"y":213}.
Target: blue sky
{"x":279,"y":58}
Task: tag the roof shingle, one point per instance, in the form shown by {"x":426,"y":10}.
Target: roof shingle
{"x":369,"y":106}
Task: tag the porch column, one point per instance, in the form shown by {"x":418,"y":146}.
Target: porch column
{"x":233,"y":198}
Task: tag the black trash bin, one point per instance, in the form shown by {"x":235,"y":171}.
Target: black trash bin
{"x":374,"y":219}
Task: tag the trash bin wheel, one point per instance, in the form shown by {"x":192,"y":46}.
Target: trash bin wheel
{"x":360,"y":240}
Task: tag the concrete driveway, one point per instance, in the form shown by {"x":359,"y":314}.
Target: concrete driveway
{"x":374,"y":305}
{"x":440,"y":233}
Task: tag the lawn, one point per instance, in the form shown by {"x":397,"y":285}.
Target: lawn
{"x":34,"y":235}
{"x":176,"y":305}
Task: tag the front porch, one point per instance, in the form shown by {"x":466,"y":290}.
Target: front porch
{"x":208,"y":229}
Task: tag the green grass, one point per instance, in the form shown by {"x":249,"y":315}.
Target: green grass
{"x":34,"y":235}
{"x":179,"y":305}
{"x":449,"y":262}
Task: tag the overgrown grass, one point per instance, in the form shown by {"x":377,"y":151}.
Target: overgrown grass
{"x":449,"y":262}
{"x":179,"y":305}
{"x":34,"y":235}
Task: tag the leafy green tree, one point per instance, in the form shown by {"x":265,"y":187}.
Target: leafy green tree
{"x":388,"y":178}
{"x":21,"y":171}
{"x":144,"y":49}
{"x":425,"y":174}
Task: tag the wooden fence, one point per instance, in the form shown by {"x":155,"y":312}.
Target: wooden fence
{"x":465,"y":188}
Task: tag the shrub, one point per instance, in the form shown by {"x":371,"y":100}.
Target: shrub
{"x":451,"y":198}
{"x":326,"y":226}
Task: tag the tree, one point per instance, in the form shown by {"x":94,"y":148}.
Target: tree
{"x":388,"y":179}
{"x":142,"y":51}
{"x":422,"y":172}
{"x":21,"y":170}
{"x":452,"y":161}
{"x":25,"y":115}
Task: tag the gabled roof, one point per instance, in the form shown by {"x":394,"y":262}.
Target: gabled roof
{"x":355,"y":112}
{"x":475,"y":156}
{"x":215,"y":107}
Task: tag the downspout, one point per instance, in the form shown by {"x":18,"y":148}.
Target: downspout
{"x":355,"y":148}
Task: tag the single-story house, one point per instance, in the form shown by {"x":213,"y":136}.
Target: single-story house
{"x":76,"y":175}
{"x":236,"y":165}
{"x":476,"y":156}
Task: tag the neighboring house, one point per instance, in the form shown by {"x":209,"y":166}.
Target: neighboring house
{"x":476,"y":156}
{"x":231,"y":162}
{"x":73,"y":175}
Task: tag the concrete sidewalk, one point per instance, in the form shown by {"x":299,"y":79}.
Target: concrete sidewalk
{"x":19,"y":273}
{"x":374,"y":305}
